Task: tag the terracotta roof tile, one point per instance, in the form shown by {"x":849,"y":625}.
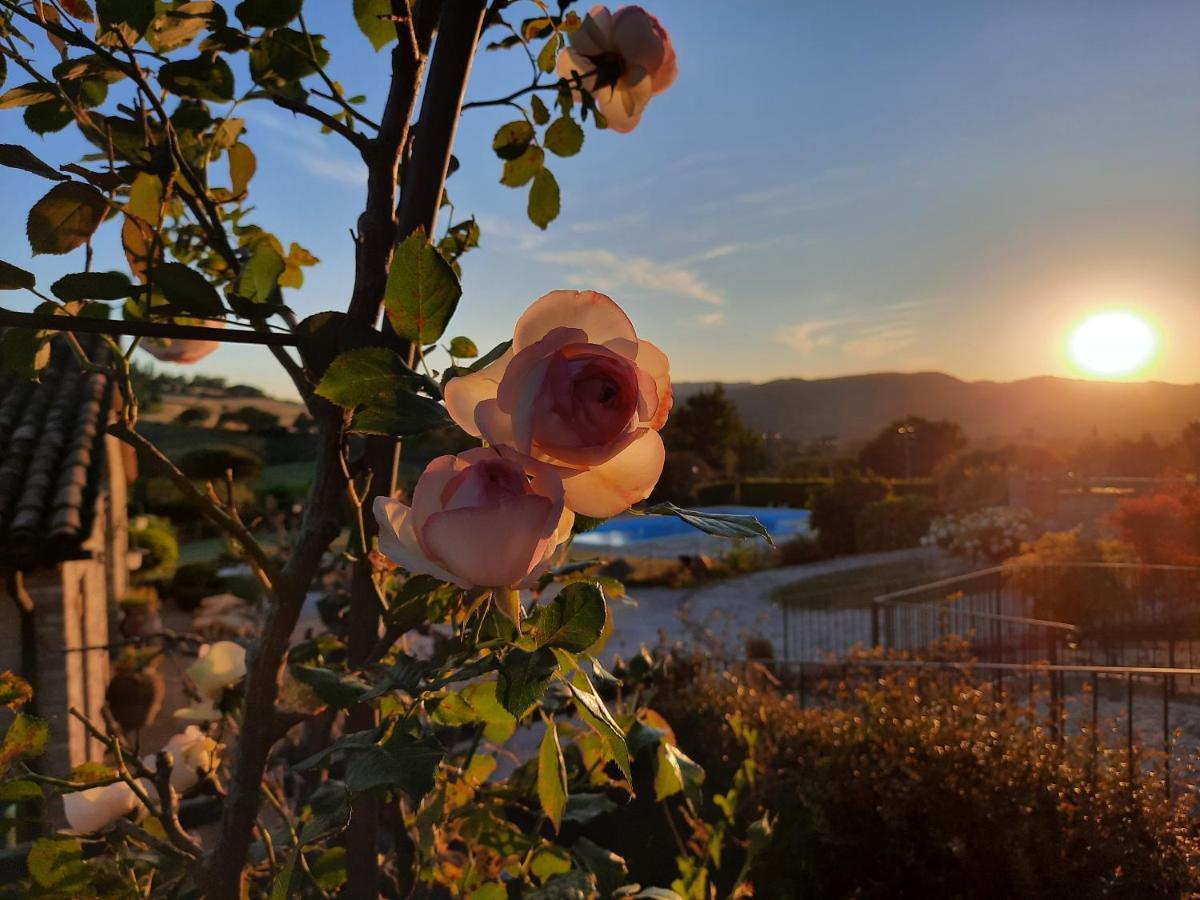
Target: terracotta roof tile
{"x":51,"y":458}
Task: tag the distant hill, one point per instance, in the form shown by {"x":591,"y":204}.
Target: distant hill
{"x":853,"y":408}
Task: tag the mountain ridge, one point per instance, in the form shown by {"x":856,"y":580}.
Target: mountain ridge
{"x":1039,"y":408}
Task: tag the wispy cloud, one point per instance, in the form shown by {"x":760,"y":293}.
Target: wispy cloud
{"x":805,"y":337}
{"x":881,"y":341}
{"x":712,"y":319}
{"x":306,"y":149}
{"x":607,"y":270}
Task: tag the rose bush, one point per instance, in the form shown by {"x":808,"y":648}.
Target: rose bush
{"x":625,"y":58}
{"x":478,"y":519}
{"x":577,"y":390}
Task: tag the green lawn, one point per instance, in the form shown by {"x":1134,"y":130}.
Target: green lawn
{"x":856,"y":588}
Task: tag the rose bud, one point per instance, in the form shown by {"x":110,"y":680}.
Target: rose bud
{"x":477,"y":520}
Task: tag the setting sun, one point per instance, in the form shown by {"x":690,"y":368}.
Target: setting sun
{"x":1113,"y":343}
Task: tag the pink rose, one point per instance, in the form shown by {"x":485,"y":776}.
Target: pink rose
{"x":478,"y":520}
{"x":182,"y":350}
{"x":625,"y":57}
{"x":577,"y":390}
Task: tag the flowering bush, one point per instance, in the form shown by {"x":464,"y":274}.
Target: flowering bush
{"x":987,"y":535}
{"x":362,"y":759}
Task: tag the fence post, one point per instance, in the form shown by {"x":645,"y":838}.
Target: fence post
{"x":1129,"y":724}
{"x":1166,"y":721}
{"x":786,"y":632}
{"x":874,"y":624}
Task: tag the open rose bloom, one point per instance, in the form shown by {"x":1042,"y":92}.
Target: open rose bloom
{"x":478,"y":519}
{"x":195,"y":755}
{"x":96,"y":808}
{"x":625,"y":57}
{"x":579,"y":391}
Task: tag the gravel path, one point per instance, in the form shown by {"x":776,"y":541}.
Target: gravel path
{"x":726,"y":612}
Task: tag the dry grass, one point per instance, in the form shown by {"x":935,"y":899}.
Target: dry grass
{"x":174,"y":404}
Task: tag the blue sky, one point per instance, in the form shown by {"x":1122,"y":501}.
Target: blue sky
{"x":827,"y":189}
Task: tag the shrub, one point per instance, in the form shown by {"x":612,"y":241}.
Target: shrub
{"x":211,"y":462}
{"x":160,"y":549}
{"x":835,"y":508}
{"x":920,"y":784}
{"x":1164,"y":528}
{"x":192,"y":583}
{"x":989,"y":535}
{"x":801,"y":549}
{"x":194,"y":415}
{"x":893,"y":523}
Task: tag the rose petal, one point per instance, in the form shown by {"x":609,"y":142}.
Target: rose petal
{"x":398,"y":542}
{"x":96,"y":808}
{"x":654,"y":362}
{"x":612,"y":106}
{"x":638,"y":38}
{"x":666,"y":73}
{"x":465,"y":392}
{"x":492,"y":546}
{"x":589,"y":311}
{"x":429,"y":494}
{"x":613,"y":487}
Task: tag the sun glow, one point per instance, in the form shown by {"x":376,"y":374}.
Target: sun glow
{"x":1113,"y":343}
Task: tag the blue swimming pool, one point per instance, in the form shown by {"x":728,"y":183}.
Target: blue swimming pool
{"x":628,"y":529}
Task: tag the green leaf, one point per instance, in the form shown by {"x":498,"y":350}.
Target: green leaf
{"x":19,"y":791}
{"x":259,"y":278}
{"x":523,"y":679}
{"x":374,"y":20}
{"x":564,"y":137}
{"x":26,"y":737}
{"x":364,"y":376}
{"x":582,"y":808}
{"x":329,"y":869}
{"x":609,"y":868}
{"x":547,"y":57}
{"x":552,"y":776}
{"x":281,"y":887}
{"x":242,"y":166}
{"x":48,"y":117}
{"x":330,"y":812}
{"x":145,"y":199}
{"x":27,"y":95}
{"x":79,"y":9}
{"x":56,"y":864}
{"x":266,"y":13}
{"x":409,"y":415}
{"x":65,"y":218}
{"x":285,"y":55}
{"x":400,"y":762}
{"x":15,"y":691}
{"x":204,"y":78}
{"x":17,"y":157}
{"x":593,"y":711}
{"x":187,"y":290}
{"x":668,"y":780}
{"x":719,"y":524}
{"x":543,"y":199}
{"x":512,"y":138}
{"x":132,"y":17}
{"x":14,"y":279}
{"x":24,"y":352}
{"x":574,"y":619}
{"x":3,"y":70}
{"x":541,"y":115}
{"x":478,"y":702}
{"x":93,"y":286}
{"x":176,"y":27}
{"x":518,"y":171}
{"x":338,"y":689}
{"x":422,"y":291}
{"x":463,"y":348}
{"x":323,"y":336}
{"x":378,"y":385}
